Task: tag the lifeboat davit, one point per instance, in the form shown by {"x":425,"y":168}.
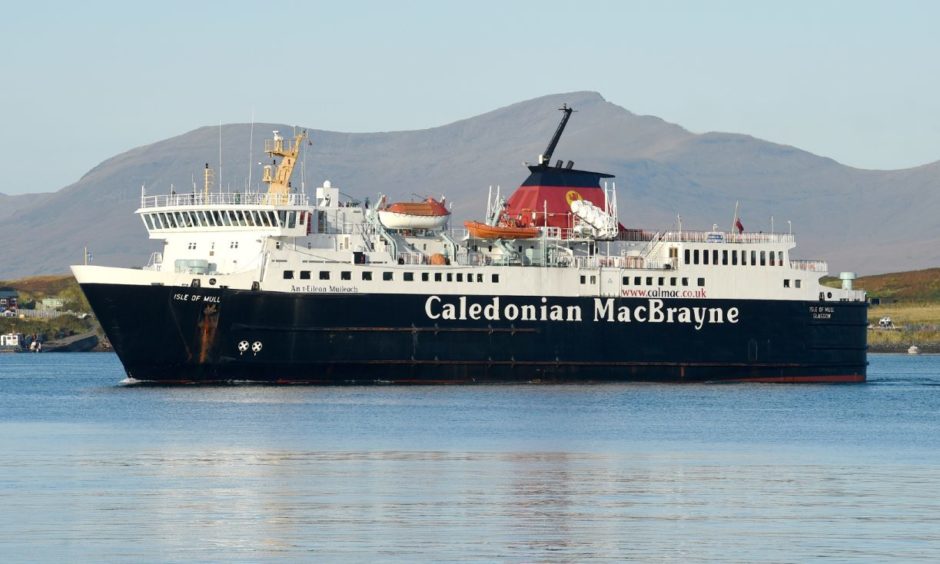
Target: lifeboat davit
{"x":483,"y":231}
{"x":429,"y":214}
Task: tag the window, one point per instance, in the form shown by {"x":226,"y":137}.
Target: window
{"x":649,"y":280}
{"x":773,"y":258}
{"x":701,"y":281}
{"x":593,"y":279}
{"x":305,"y":275}
{"x":148,"y":221}
{"x":277,"y":244}
{"x":450,"y":277}
{"x":724,"y":258}
{"x":480,"y":277}
{"x":345,"y":275}
{"x":496,"y":279}
{"x":734,"y":258}
{"x":288,"y":274}
{"x":688,"y":256}
{"x":705,"y":256}
{"x":366,"y":275}
{"x":583,"y":279}
{"x":460,"y":277}
{"x":637,"y":280}
{"x":409,"y":276}
{"x":438,"y":277}
{"x":715,"y":257}
{"x":695,"y":256}
{"x":672,"y":281}
{"x":662,"y":281}
{"x":780,"y":258}
{"x":753,"y":258}
{"x":763,"y":258}
{"x":626,"y":280}
{"x":425,"y":276}
{"x":387,"y":276}
{"x":685,"y":281}
{"x":324,"y":275}
{"x":786,"y":282}
{"x":798,"y":282}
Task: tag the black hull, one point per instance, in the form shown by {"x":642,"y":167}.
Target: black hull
{"x":180,"y":335}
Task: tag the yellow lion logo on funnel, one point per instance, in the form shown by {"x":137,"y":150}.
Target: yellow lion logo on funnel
{"x":573,"y":195}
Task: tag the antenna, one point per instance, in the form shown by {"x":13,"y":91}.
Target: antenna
{"x":546,"y":157}
{"x":220,"y":153}
{"x":251,"y":136}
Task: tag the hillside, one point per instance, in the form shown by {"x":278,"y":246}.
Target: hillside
{"x":860,"y":220}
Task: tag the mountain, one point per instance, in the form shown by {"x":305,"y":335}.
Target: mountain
{"x":863,"y":220}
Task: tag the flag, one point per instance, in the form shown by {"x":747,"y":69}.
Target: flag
{"x":738,"y":225}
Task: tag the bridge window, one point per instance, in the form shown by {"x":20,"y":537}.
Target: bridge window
{"x":148,"y":221}
{"x":305,"y":275}
{"x":291,"y":219}
{"x":288,"y":274}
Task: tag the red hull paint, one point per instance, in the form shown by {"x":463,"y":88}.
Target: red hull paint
{"x":825,"y":379}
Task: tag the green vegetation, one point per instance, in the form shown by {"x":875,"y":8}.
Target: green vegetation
{"x":32,"y":290}
{"x":911,"y":300}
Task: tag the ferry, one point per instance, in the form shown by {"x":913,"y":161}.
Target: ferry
{"x":278,"y":286}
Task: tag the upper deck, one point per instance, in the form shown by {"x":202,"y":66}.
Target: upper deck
{"x":222,"y":199}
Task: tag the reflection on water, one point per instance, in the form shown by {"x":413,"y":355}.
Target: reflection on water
{"x":90,"y":471}
{"x":253,"y":504}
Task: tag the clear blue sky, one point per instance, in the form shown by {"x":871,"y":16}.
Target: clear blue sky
{"x":856,"y":81}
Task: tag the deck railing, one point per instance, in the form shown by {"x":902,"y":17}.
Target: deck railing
{"x":809,"y":265}
{"x":223,"y":199}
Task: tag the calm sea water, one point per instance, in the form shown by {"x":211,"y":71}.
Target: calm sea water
{"x":91,"y":471}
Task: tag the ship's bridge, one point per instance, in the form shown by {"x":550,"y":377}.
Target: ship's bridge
{"x":274,"y":214}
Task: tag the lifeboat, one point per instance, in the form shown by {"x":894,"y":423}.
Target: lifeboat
{"x":429,"y":214}
{"x":483,"y":231}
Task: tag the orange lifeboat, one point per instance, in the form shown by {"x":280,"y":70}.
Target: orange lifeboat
{"x":429,"y":214}
{"x":483,"y":231}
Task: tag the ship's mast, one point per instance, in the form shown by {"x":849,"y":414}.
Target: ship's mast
{"x":546,"y":157}
{"x":279,"y":181}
